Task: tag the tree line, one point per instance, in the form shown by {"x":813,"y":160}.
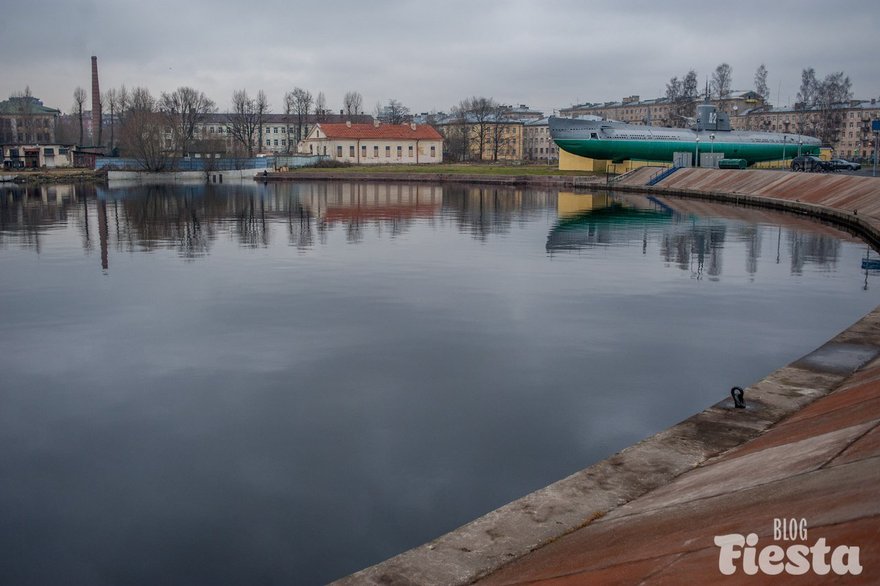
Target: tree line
{"x":818,"y":103}
{"x":139,"y":123}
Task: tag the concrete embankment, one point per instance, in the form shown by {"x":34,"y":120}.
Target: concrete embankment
{"x":848,"y":200}
{"x":562,"y":181}
{"x":806,"y":449}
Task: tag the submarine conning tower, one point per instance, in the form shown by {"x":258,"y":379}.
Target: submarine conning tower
{"x":709,"y":118}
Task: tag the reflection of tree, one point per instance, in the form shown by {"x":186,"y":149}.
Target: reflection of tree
{"x":188,"y":219}
{"x":251,"y":223}
{"x":482,"y":211}
{"x":697,"y":248}
{"x":161,"y":216}
{"x":818,"y":249}
{"x":299,"y":224}
{"x":751,"y":235}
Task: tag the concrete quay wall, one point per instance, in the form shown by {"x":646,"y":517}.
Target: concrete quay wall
{"x":564,"y":181}
{"x":549,"y":534}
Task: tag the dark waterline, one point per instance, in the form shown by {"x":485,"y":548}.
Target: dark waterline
{"x":249,"y":384}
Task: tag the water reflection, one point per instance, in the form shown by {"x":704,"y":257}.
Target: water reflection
{"x":282,"y":384}
{"x":189,"y":219}
{"x":692,"y":235}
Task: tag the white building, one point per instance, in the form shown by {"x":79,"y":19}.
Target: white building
{"x":375,"y":144}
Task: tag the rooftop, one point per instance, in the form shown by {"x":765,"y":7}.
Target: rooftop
{"x":381,"y":131}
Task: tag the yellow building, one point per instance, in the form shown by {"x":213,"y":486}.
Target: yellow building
{"x":492,"y":139}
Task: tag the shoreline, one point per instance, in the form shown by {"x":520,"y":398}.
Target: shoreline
{"x":508,"y":537}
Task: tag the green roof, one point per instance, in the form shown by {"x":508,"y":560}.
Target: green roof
{"x":26,"y":104}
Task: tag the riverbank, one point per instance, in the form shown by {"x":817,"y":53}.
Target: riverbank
{"x":49,"y":176}
{"x":804,"y":448}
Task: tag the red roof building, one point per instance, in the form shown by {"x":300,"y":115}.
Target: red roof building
{"x":376,"y":144}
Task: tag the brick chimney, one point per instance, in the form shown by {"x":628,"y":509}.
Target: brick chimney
{"x":96,"y":105}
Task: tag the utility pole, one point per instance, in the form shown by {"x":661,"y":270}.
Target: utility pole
{"x":875,"y":126}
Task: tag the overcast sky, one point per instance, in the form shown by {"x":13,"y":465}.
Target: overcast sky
{"x":548,"y":54}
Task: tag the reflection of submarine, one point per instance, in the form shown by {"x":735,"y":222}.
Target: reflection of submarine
{"x":589,"y":220}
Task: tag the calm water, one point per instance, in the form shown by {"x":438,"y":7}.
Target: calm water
{"x":284,"y":384}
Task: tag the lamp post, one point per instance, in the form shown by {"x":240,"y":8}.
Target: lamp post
{"x":697,"y":161}
{"x":784,"y":141}
{"x":712,"y":150}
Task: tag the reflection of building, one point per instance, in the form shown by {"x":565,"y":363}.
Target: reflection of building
{"x":364,"y":202}
{"x":376,"y":144}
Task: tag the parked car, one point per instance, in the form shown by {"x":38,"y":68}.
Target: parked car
{"x":839,"y":164}
{"x":810,"y":163}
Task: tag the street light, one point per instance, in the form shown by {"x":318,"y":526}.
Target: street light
{"x":697,"y":160}
{"x":784,"y":141}
{"x":712,"y":149}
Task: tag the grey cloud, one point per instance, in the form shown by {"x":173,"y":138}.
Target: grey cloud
{"x":431,"y":55}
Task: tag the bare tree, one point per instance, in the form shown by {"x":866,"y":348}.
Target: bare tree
{"x":79,"y":98}
{"x":806,"y":100}
{"x":674,"y":93}
{"x":184,"y":109}
{"x":393,"y":113}
{"x":498,"y":136}
{"x":124,"y":100}
{"x":722,"y":78}
{"x":299,"y":103}
{"x":321,"y":107}
{"x":480,"y":112}
{"x":457,"y":134}
{"x":262,"y":108}
{"x":142,"y":131}
{"x":111,"y":98}
{"x":832,"y":97}
{"x":689,"y":85}
{"x":352,"y":103}
{"x":761,"y":87}
{"x":26,"y":130}
{"x":243,"y":120}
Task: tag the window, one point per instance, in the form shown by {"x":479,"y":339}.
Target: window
{"x":339,"y":151}
{"x":433,"y":151}
{"x":351,"y":151}
{"x":276,"y":142}
{"x":399,"y":151}
{"x":387,"y":152}
{"x":268,"y":141}
{"x":274,"y":130}
{"x":364,"y":151}
{"x":376,"y":151}
{"x":410,"y":151}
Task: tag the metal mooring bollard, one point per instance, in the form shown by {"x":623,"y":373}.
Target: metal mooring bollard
{"x":738,"y":397}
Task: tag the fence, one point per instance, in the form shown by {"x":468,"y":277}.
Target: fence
{"x":191,"y":164}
